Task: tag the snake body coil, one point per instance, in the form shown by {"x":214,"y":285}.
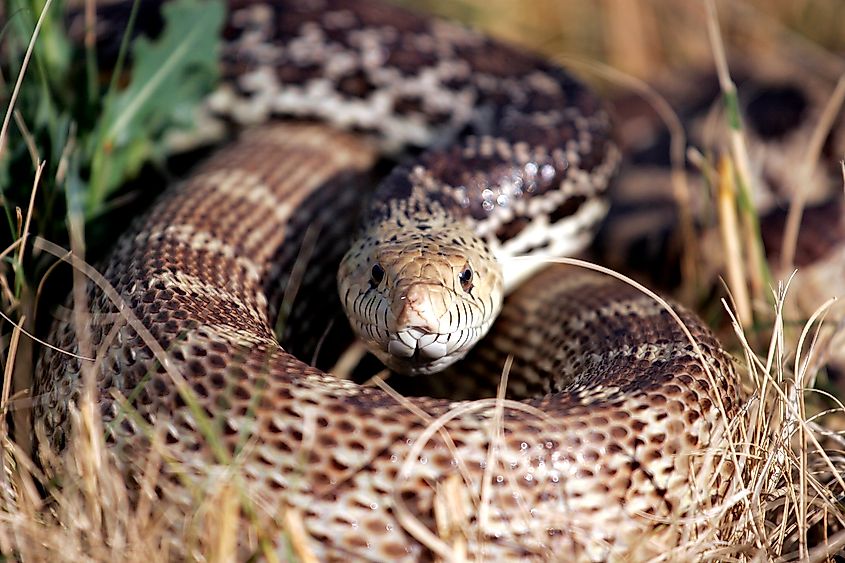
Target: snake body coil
{"x":624,"y":409}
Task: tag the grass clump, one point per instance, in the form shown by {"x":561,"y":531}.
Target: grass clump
{"x":91,"y":132}
{"x":71,"y":137}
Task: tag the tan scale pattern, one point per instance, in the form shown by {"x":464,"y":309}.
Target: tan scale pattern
{"x":617,"y":435}
{"x":617,"y":412}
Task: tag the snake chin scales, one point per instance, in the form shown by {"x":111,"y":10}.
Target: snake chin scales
{"x":420,"y":298}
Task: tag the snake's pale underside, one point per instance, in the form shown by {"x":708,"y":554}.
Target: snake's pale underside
{"x":611,"y":440}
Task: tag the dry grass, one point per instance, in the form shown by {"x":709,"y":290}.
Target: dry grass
{"x":785,"y":502}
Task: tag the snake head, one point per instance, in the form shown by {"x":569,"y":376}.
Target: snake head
{"x":421,"y":297}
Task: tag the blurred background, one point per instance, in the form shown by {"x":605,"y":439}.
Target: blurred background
{"x":647,"y":38}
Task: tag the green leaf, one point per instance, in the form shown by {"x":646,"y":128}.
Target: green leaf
{"x":176,"y":70}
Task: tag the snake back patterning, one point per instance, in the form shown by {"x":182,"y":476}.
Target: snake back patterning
{"x":623,"y":410}
{"x":421,"y":283}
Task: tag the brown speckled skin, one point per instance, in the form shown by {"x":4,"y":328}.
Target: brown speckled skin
{"x":531,"y":139}
{"x":633,"y":409}
{"x":624,"y":416}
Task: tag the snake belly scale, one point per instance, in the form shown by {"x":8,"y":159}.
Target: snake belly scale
{"x":616,"y":439}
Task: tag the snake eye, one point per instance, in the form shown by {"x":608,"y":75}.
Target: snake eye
{"x":377,"y":274}
{"x":465,"y":278}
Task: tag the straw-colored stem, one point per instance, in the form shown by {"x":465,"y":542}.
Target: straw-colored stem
{"x":729,"y":230}
{"x":742,"y":163}
{"x":811,"y":157}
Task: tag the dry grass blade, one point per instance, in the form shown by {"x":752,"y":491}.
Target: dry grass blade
{"x":739,"y":148}
{"x":741,"y":160}
{"x":224,"y":545}
{"x":25,"y":232}
{"x":27,"y":137}
{"x":811,"y":157}
{"x":800,"y":406}
{"x":12,"y":247}
{"x":729,"y":230}
{"x":303,"y":257}
{"x":299,"y":536}
{"x":24,"y":65}
{"x":348,"y":360}
{"x":19,"y":326}
{"x":782,"y":477}
{"x":7,"y":376}
{"x":450,"y":516}
{"x":494,"y":446}
{"x":411,"y":523}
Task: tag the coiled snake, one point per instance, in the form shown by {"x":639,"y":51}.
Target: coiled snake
{"x":621,"y":411}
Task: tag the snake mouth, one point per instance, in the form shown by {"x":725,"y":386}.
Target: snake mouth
{"x":414,"y":351}
{"x":418,"y":343}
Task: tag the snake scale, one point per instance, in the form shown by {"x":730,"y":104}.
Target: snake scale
{"x":613,"y":444}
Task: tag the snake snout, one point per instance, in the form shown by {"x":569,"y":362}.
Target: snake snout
{"x":421,"y":307}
